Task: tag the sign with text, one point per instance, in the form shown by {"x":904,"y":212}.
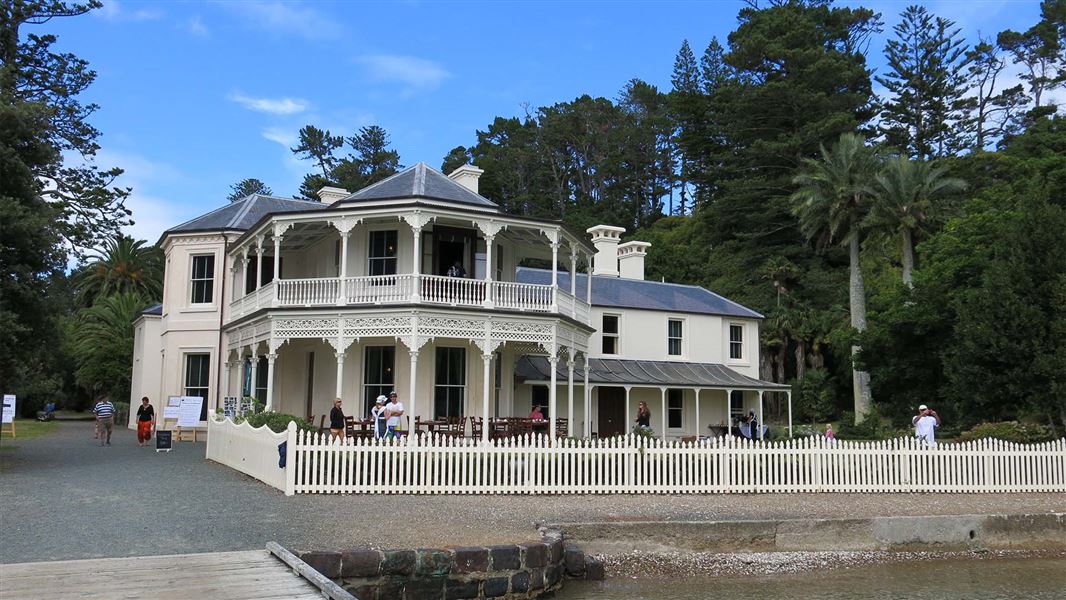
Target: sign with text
{"x":174,"y":401}
{"x":163,"y":440}
{"x":189,"y":415}
{"x":230,"y":406}
{"x":171,"y":412}
{"x":9,"y":408}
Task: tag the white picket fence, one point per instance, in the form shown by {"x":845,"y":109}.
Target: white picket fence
{"x":250,"y":450}
{"x":640,"y":465}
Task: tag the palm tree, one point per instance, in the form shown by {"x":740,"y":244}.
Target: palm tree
{"x":831,"y":203}
{"x":101,"y":343}
{"x":124,"y":264}
{"x":905,"y":199}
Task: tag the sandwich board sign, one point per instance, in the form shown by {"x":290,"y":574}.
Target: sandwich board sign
{"x":163,"y":441}
{"x":9,"y":414}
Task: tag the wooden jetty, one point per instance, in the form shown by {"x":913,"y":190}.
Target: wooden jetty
{"x":273,"y":573}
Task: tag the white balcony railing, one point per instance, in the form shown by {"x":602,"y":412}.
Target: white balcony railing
{"x":407,"y":289}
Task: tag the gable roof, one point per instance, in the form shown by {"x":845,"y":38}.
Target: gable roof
{"x":419,"y":181}
{"x":638,"y":293}
{"x":242,"y":214}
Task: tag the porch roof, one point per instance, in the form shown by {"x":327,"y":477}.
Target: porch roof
{"x":646,"y":373}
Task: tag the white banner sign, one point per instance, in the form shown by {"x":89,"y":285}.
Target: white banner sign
{"x":171,"y":412}
{"x":9,"y":408}
{"x":189,"y":416}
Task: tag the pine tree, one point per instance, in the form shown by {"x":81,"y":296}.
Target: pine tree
{"x":686,"y":105}
{"x":247,"y":187}
{"x":925,"y":115}
{"x":1041,"y":50}
{"x":994,"y":112}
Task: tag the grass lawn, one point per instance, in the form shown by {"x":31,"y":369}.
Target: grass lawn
{"x":25,"y":429}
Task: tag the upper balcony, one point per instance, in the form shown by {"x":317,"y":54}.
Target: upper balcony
{"x":365,"y":251}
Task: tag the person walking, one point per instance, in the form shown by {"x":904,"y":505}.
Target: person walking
{"x":925,"y":424}
{"x":829,"y":435}
{"x":105,"y":420}
{"x":145,"y":421}
{"x":377,"y":416}
{"x":393,"y":412}
{"x":336,"y":421}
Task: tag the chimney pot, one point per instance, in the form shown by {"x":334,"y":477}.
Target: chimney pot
{"x":605,"y":238}
{"x":631,"y":259}
{"x":467,"y":176}
{"x":329,"y":195}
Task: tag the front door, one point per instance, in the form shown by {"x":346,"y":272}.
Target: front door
{"x":612,"y":411}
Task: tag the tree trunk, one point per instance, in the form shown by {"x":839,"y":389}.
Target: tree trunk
{"x":857,"y":301}
{"x":908,"y":257}
{"x":766,"y":370}
{"x":801,"y":359}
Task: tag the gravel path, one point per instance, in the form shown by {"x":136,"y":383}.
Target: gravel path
{"x":124,"y":500}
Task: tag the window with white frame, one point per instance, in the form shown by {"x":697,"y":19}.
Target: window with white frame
{"x":197,"y":378}
{"x":736,"y":341}
{"x":203,"y":278}
{"x":381,"y":257}
{"x":609,"y":333}
{"x":675,"y":409}
{"x":378,"y":374}
{"x":674,"y":336}
{"x":450,"y":385}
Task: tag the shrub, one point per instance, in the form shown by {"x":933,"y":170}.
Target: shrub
{"x":277,"y":422}
{"x":815,"y":396}
{"x":874,"y":427}
{"x":1009,"y":431}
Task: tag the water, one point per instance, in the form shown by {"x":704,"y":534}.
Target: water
{"x":993,"y":579}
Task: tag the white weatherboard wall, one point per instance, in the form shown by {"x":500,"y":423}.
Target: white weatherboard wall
{"x":250,"y":450}
{"x":147,"y":366}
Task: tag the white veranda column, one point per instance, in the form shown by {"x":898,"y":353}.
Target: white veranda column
{"x":412,"y":395}
{"x":340,"y":375}
{"x":416,"y":286}
{"x":586,"y":429}
{"x":488,"y":302}
{"x":258,"y":263}
{"x":342,"y":298}
{"x":573,"y":280}
{"x":553,"y":362}
{"x":486,"y":360}
{"x":699,"y":427}
{"x":663,"y":417}
{"x":226,"y":382}
{"x":555,"y":276}
{"x":628,"y":414}
{"x":569,"y":395}
{"x":758,"y":430}
{"x":729,"y":411}
{"x":254,"y":363}
{"x":270,"y":380}
{"x":277,"y":267}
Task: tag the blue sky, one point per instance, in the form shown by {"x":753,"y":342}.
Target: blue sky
{"x":195,"y":96}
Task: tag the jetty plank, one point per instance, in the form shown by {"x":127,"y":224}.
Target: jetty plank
{"x":210,"y":576}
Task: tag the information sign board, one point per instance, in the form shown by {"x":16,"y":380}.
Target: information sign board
{"x":189,"y":416}
{"x":9,"y":408}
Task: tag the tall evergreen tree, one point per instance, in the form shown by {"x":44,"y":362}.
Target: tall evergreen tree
{"x":247,"y":187}
{"x":925,"y":115}
{"x":994,"y":111}
{"x":1040,"y":50}
{"x":687,"y":106}
{"x":373,"y":158}
{"x":456,"y":157}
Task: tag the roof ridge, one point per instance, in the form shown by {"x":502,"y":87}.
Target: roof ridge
{"x":374,"y":185}
{"x":419,"y":185}
{"x":248,"y":201}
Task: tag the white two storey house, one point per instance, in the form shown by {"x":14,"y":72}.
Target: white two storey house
{"x":419,"y":284}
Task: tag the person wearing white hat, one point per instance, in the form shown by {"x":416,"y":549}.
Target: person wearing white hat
{"x":377,"y":415}
{"x":925,"y":424}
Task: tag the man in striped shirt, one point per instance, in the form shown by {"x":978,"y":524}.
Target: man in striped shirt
{"x":105,"y":420}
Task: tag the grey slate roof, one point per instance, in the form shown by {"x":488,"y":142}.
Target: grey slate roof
{"x":242,"y":214}
{"x":419,"y":181}
{"x":638,"y":293}
{"x":650,"y":373}
{"x":155,"y":309}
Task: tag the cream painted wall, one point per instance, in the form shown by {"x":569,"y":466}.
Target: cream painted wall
{"x":147,"y":364}
{"x":705,"y":338}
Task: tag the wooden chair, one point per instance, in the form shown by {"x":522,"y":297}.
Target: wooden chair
{"x":477,"y":425}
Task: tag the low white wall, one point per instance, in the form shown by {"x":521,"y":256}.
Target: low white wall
{"x":250,"y":450}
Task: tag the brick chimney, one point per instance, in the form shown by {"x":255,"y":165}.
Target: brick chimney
{"x":329,"y":195}
{"x":605,"y":238}
{"x":631,"y":259}
{"x":467,"y":176}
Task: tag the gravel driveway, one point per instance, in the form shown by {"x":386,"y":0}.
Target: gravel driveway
{"x":64,"y":497}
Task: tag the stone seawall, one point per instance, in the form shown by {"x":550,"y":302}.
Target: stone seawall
{"x":518,"y":571}
{"x":924,"y":533}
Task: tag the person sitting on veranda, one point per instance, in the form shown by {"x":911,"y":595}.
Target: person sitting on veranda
{"x":536,"y":414}
{"x":457,"y":270}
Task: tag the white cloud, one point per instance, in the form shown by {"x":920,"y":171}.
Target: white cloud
{"x":410,"y":70}
{"x":274,"y":106}
{"x":112,"y":10}
{"x":280,"y":135}
{"x":286,"y":18}
{"x":196,"y":26}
